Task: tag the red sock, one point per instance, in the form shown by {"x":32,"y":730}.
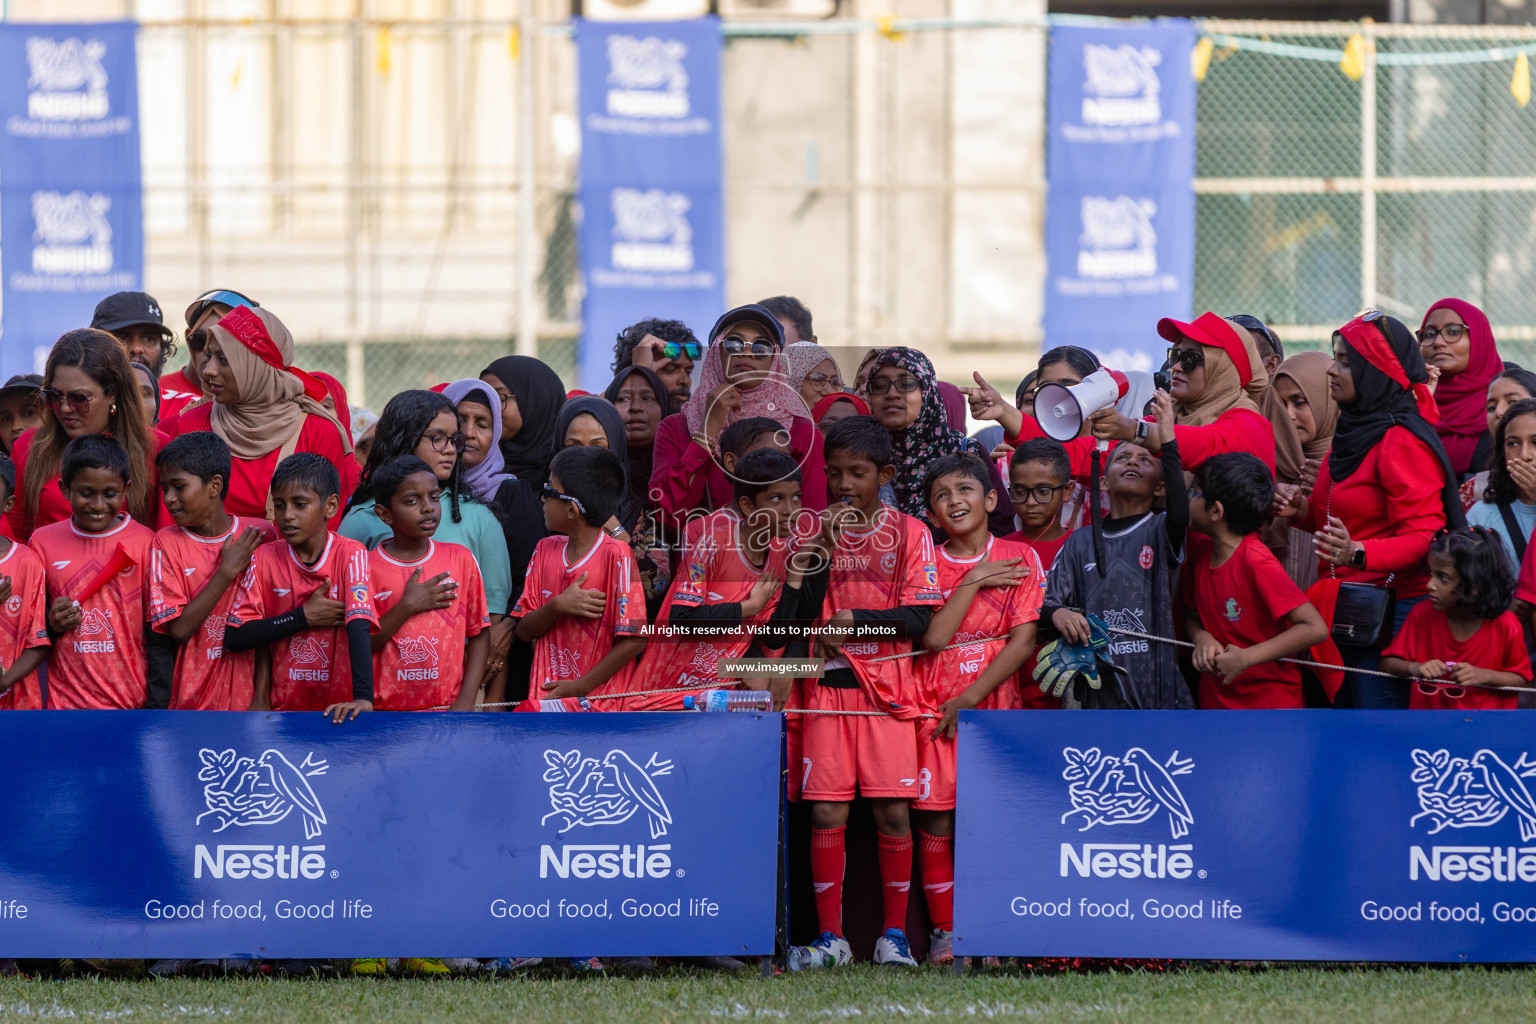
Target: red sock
{"x":895,"y":877}
{"x":936,"y":862}
{"x":828,"y":862}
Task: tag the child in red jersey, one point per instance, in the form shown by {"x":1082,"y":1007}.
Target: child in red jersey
{"x":99,"y":659}
{"x":992,"y":588}
{"x":582,"y":607}
{"x":196,"y":564}
{"x":1039,"y":479}
{"x":880,"y":584}
{"x":424,"y":624}
{"x":1241,"y":610}
{"x":730,"y":589}
{"x":1464,"y":633}
{"x":305,"y":599}
{"x":23,"y":612}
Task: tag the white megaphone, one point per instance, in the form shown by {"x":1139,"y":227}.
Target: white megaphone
{"x":1061,"y":411}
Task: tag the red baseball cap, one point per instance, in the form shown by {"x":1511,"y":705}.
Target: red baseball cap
{"x":1210,"y":329}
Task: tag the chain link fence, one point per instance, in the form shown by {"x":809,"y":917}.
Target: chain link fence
{"x":1426,"y":140}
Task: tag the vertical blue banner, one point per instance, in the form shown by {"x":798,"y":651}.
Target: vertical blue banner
{"x":71,"y":219}
{"x":653,"y":221}
{"x":1120,"y":219}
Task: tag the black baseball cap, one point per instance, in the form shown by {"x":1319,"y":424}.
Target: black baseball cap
{"x":752,"y":313}
{"x":128,"y":309}
{"x":21,"y":383}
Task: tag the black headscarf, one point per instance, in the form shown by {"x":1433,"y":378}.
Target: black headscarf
{"x":1382,"y":403}
{"x":663,"y":396}
{"x":640,"y":462}
{"x":539,"y":396}
{"x":612,"y":423}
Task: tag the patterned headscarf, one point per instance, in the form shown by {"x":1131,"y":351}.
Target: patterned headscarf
{"x":927,"y":438}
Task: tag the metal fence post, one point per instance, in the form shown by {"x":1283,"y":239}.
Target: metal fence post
{"x":1368,"y":168}
{"x":527,"y":184}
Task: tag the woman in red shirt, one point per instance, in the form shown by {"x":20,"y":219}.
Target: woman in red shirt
{"x":263,"y":407}
{"x":88,"y":388}
{"x":743,"y":375}
{"x":1384,"y":491}
{"x":1217,"y":379}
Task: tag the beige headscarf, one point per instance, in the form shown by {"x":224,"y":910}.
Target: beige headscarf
{"x":1224,"y":387}
{"x":272,"y":403}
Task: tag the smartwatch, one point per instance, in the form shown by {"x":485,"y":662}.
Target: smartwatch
{"x":1357,"y":557}
{"x":1143,"y":428}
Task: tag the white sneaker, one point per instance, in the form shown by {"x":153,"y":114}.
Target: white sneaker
{"x":892,"y":948}
{"x":827,"y":951}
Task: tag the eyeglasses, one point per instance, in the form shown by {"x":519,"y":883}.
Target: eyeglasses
{"x":674,"y":349}
{"x":57,"y":400}
{"x":734,"y":346}
{"x":1194,"y":492}
{"x":1185,"y":358}
{"x":903,"y":385}
{"x":1452,"y":333}
{"x":441,"y":442}
{"x":1041,"y":495}
{"x":826,"y":378}
{"x":550,"y":493}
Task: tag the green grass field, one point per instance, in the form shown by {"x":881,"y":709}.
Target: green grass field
{"x":1262,"y":996}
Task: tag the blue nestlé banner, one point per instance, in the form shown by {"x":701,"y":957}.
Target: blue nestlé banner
{"x":1120,"y":218}
{"x":165,"y":834}
{"x":1286,"y":835}
{"x":71,"y":226}
{"x":653,"y":224}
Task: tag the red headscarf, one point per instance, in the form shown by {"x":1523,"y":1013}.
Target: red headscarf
{"x":339,"y":396}
{"x":1463,"y":398}
{"x":828,"y":401}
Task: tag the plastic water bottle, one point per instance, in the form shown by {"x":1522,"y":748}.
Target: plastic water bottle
{"x":729,"y":700}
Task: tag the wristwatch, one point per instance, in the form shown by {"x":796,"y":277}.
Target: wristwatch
{"x":1143,"y":428}
{"x":1357,"y":557}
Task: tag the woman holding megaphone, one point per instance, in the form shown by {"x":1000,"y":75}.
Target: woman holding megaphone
{"x":1217,"y":375}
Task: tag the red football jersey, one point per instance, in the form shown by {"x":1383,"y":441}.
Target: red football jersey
{"x":713,"y":570}
{"x":310,"y":669}
{"x":993,"y":612}
{"x":208,"y":678}
{"x":101,"y":662}
{"x":422,"y":665}
{"x":1499,"y":646}
{"x":1030,"y":697}
{"x":176,"y":393}
{"x":573,"y":645}
{"x":23,"y":622}
{"x":889,"y":565}
{"x":1244,"y":602}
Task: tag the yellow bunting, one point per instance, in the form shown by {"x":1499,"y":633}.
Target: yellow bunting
{"x":515,"y":43}
{"x":381,"y":46}
{"x":886,"y":25}
{"x":1200,"y":58}
{"x":234,"y":79}
{"x":1353,"y":63}
{"x":1520,"y":84}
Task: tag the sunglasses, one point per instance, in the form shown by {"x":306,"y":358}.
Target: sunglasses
{"x":1185,"y":359}
{"x":1430,"y":689}
{"x":57,"y":400}
{"x":1041,"y":495}
{"x":441,"y":442}
{"x":1452,"y":333}
{"x":902,"y":385}
{"x":218,"y":297}
{"x":550,"y":493}
{"x":734,"y":346}
{"x":675,"y":349}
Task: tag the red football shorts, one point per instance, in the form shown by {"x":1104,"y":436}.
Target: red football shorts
{"x":935,"y":775}
{"x":875,"y":755}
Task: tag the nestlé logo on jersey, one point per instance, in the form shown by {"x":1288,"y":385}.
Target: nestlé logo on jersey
{"x":587,"y":793}
{"x":1131,"y":789}
{"x":241,"y":792}
{"x":1483,"y":791}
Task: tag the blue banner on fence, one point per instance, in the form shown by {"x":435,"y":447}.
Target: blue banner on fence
{"x":1120,"y":220}
{"x":1287,"y":835}
{"x":71,"y":221}
{"x":162,"y":834}
{"x":653,"y":223}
